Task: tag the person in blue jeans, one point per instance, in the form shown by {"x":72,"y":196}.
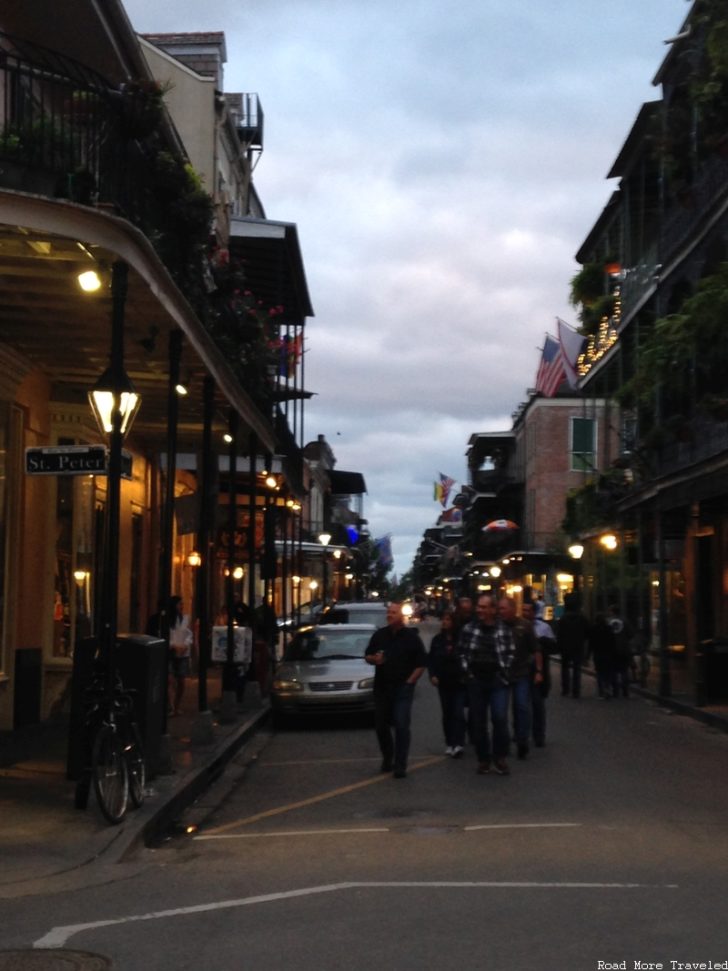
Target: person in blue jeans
{"x":400,"y":659}
{"x":518,"y":653}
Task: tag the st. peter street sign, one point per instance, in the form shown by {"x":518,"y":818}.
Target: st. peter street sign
{"x":73,"y":460}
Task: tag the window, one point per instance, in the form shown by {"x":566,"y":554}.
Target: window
{"x":583,"y":444}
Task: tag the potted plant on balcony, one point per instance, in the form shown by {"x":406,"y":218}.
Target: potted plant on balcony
{"x":142,"y":107}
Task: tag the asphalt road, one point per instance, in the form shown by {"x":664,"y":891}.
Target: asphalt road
{"x":610,"y":845}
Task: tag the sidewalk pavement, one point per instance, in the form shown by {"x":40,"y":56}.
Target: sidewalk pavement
{"x":46,"y":843}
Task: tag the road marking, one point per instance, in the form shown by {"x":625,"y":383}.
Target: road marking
{"x":382,"y":829}
{"x":59,"y":936}
{"x":521,"y":826}
{"x":322,"y":797}
{"x":295,"y":832}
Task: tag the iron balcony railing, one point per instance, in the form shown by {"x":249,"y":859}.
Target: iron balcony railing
{"x":65,"y":132}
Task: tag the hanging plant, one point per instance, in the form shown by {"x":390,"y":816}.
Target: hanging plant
{"x":588,"y":285}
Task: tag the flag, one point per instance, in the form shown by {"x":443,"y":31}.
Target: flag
{"x":289,"y":354}
{"x":383,"y":547}
{"x":572,"y":345}
{"x":550,"y":372}
{"x":442,"y":489}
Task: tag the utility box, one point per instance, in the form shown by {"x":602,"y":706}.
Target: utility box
{"x":141,"y":661}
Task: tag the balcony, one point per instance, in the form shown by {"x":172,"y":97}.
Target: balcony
{"x":685,"y":216}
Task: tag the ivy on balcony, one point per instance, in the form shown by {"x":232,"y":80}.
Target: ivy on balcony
{"x":681,"y":366}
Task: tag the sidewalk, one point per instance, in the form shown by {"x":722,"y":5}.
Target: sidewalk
{"x":682,"y":693}
{"x":47,"y":843}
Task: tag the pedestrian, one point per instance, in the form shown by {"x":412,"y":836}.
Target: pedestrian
{"x":601,"y":648}
{"x":463,"y":613}
{"x":518,"y":652}
{"x":540,"y":687}
{"x":176,"y":627}
{"x":477,"y":648}
{"x":623,"y":635}
{"x":446,"y":674}
{"x":181,"y":639}
{"x":572,"y":632}
{"x":400,"y":659}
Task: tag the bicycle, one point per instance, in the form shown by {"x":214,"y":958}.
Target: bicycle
{"x":114,"y":761}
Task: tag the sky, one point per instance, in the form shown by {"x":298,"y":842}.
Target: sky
{"x":443,"y":163}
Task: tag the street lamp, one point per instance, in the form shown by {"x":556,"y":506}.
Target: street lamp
{"x":115,"y":403}
{"x":324,"y":540}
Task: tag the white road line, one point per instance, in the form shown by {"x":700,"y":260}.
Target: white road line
{"x":470,"y":829}
{"x":59,"y":936}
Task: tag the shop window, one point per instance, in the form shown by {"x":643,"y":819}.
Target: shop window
{"x":583,"y":444}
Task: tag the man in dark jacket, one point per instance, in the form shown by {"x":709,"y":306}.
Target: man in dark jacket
{"x":571,"y":637}
{"x":400,"y":659}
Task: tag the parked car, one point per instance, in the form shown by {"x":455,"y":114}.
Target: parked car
{"x":323,"y":671}
{"x":306,"y":614}
{"x":345,"y":612}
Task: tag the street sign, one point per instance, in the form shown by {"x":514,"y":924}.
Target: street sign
{"x":73,"y":460}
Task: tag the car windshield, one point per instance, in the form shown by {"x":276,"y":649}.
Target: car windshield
{"x":318,"y":644}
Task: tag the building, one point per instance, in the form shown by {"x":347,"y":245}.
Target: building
{"x":652,"y":286}
{"x":98,"y":171}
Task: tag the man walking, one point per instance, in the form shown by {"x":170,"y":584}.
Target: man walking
{"x":477,"y":647}
{"x":572,"y":633}
{"x":540,"y":686}
{"x":399,"y":657}
{"x":518,"y":652}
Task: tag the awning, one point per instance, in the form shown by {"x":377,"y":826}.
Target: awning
{"x":273,"y":264}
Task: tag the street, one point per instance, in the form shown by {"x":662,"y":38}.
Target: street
{"x":609,"y":845}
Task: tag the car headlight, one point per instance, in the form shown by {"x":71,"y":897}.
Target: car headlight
{"x":366,"y":684}
{"x":280,"y":684}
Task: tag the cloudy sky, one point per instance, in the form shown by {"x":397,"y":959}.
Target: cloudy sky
{"x":443,"y":162}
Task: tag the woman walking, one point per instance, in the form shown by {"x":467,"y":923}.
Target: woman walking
{"x":446,"y":674}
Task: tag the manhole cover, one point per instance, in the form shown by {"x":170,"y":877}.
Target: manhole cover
{"x":53,"y":960}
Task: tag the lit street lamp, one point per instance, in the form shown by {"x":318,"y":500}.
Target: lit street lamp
{"x":324,"y":540}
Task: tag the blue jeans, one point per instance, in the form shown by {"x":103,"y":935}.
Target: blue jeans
{"x":392,"y":713}
{"x":521,"y":690}
{"x":489,"y":697}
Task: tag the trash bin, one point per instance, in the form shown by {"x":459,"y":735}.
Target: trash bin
{"x":141,"y":661}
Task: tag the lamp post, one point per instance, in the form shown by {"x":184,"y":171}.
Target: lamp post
{"x":115,"y":403}
{"x":324,"y":539}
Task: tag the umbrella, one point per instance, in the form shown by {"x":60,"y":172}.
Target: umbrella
{"x":500,"y":526}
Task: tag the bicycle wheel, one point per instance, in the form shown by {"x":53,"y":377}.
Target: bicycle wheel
{"x":110,"y":775}
{"x":135,"y":766}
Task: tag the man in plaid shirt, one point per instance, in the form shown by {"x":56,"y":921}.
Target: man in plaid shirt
{"x":485,"y":648}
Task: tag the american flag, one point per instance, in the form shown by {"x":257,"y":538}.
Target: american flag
{"x":551,"y":369}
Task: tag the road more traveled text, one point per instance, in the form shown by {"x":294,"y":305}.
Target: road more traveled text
{"x":662,"y":965}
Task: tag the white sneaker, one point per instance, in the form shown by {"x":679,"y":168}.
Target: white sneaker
{"x":457,"y":751}
{"x":449,"y":750}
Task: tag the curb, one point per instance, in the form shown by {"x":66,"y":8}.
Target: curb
{"x":184,"y":793}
